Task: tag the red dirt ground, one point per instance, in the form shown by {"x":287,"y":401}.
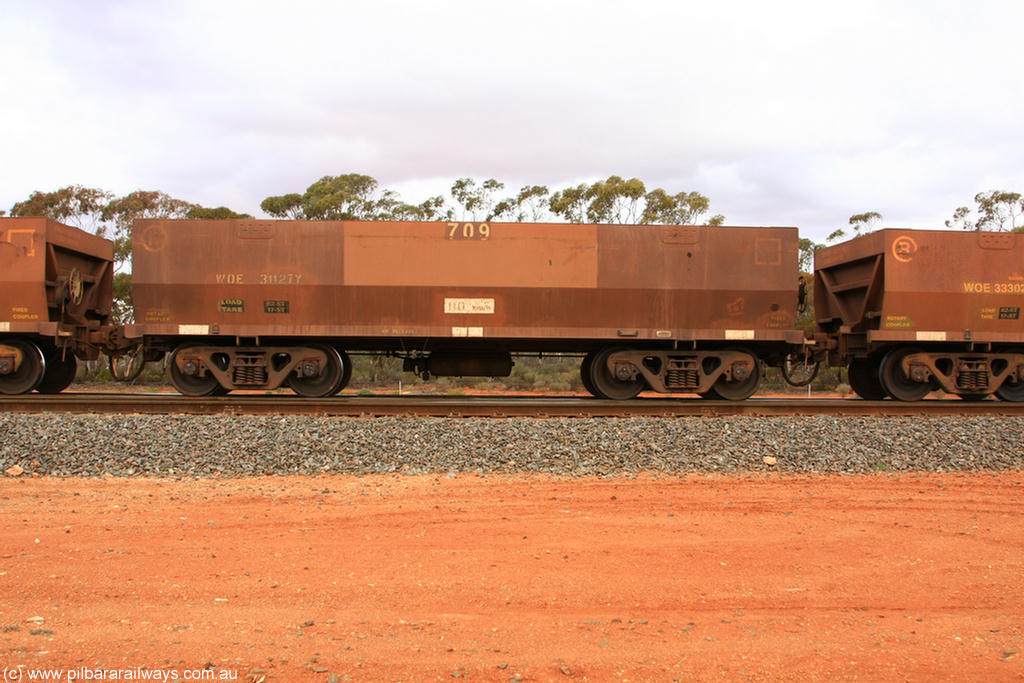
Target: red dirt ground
{"x":512,"y":578}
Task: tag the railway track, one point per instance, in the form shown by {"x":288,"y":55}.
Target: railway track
{"x":488,"y":406}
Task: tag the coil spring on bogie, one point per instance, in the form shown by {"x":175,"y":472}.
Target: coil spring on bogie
{"x":681,"y":378}
{"x":973,"y":376}
{"x":972,"y":380}
{"x":249,"y":375}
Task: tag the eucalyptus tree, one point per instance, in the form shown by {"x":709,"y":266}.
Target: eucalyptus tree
{"x":862,"y":224}
{"x":996,"y":210}
{"x":617,"y":200}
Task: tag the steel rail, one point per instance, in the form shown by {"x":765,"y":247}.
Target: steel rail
{"x":487,"y":406}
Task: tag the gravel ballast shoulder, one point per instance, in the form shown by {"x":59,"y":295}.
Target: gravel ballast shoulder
{"x":205,"y":446}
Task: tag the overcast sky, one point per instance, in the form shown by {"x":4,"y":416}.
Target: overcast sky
{"x":782,"y":113}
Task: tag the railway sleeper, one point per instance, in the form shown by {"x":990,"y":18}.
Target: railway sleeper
{"x":966,"y":374}
{"x":732,"y":374}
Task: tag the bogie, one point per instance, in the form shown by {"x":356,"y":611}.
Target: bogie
{"x":313,"y":371}
{"x":620,"y":373}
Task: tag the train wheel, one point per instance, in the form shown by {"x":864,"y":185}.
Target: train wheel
{"x":588,"y":362}
{"x":29,"y":373}
{"x":191,"y":385}
{"x":346,"y":371}
{"x":1011,"y":391}
{"x":59,"y":374}
{"x":897,"y":384}
{"x":607,"y":385}
{"x":737,"y":389}
{"x":863,"y":377}
{"x":327,"y":382}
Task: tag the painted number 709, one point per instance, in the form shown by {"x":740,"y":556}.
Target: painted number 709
{"x":469,"y":231}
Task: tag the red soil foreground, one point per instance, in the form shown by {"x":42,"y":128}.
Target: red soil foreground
{"x":512,"y":578}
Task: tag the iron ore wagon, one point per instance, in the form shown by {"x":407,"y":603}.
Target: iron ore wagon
{"x":254,"y":304}
{"x":910,"y":311}
{"x":55,"y":302}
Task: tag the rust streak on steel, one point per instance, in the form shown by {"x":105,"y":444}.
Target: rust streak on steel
{"x":493,"y":407}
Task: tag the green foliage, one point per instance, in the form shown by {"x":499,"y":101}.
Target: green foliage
{"x":477,"y":201}
{"x":544,"y":374}
{"x":284,"y":206}
{"x":862,"y":224}
{"x":961,"y":219}
{"x":570,"y":203}
{"x":219,"y":213}
{"x":351,"y":196}
{"x":615,"y":200}
{"x":807,"y":248}
{"x":124,"y":311}
{"x":98,"y":372}
{"x":74,"y":205}
{"x":430,"y":210}
{"x":864,"y":221}
{"x":355,"y":196}
{"x":390,"y":208}
{"x":996,"y":210}
{"x":102,"y":375}
{"x":344,"y":197}
{"x":628,"y":202}
{"x":529,"y":205}
{"x":684,"y":208}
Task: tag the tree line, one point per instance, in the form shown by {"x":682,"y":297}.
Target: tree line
{"x":996,"y":210}
{"x":356,"y":196}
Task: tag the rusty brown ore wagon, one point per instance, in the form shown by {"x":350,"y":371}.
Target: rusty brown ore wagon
{"x":254,"y":304}
{"x":909,"y":311}
{"x":55,"y":302}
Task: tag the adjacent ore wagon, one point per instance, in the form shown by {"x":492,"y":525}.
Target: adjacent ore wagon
{"x":253,"y":304}
{"x":909,"y":311}
{"x":55,"y":302}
